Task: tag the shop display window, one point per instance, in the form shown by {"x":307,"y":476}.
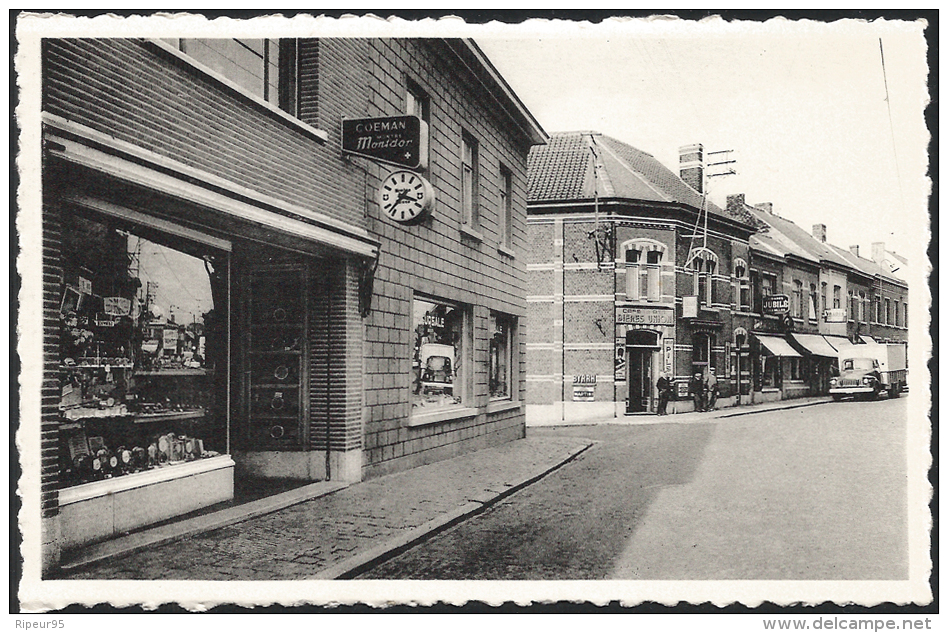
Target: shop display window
{"x":500,"y":357}
{"x":143,"y":349}
{"x":437,"y":354}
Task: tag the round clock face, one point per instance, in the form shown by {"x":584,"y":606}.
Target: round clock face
{"x":405,"y":196}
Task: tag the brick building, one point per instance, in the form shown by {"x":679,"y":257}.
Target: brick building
{"x":625,"y":281}
{"x":223,"y":291}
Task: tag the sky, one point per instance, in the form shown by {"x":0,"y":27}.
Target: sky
{"x":816,"y":127}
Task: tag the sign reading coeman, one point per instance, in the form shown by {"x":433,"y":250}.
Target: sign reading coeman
{"x":397,"y":140}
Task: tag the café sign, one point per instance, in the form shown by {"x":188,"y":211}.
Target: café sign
{"x":396,"y":140}
{"x":776,"y":304}
{"x":834,"y":315}
{"x":644,"y":316}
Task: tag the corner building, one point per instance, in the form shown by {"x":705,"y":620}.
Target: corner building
{"x":224,"y":299}
{"x":628,"y":278}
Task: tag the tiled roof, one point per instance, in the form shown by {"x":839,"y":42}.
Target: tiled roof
{"x":867,"y":266}
{"x":562,"y":171}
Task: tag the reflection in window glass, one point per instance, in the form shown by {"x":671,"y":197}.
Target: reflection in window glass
{"x":501,"y":360}
{"x":436,"y":355}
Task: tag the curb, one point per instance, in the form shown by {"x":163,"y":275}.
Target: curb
{"x":352,"y":567}
{"x":794,"y":406}
{"x":181,"y":529}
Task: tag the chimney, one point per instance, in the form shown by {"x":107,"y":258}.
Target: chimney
{"x":766,"y":206}
{"x":819,"y":232}
{"x":878,"y":252}
{"x":854,"y":249}
{"x":691,"y":165}
{"x":735,"y":204}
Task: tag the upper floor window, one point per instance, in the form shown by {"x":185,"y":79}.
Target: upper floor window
{"x":417,"y":102}
{"x":862,"y":307}
{"x":643,"y":270}
{"x":837,"y":297}
{"x":814,"y":303}
{"x":888,"y":312}
{"x":896,"y":321}
{"x":505,"y":212}
{"x":265,"y":68}
{"x":797,"y":299}
{"x":703,"y":265}
{"x":469,"y":181}
{"x":824,"y":297}
{"x":743,"y":285}
{"x":904,"y":314}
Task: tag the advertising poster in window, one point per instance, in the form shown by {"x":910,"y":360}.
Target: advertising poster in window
{"x":436,"y":354}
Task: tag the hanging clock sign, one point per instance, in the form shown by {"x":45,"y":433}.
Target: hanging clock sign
{"x":405,"y":197}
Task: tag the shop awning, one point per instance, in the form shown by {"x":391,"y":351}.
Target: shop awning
{"x":815,"y":344}
{"x":777,"y":346}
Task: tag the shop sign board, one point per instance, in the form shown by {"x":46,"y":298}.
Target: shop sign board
{"x":834,"y":315}
{"x":584,"y":393}
{"x":776,"y":304}
{"x":170,"y":339}
{"x":689,"y":307}
{"x":668,"y":355}
{"x":396,"y":140}
{"x":683,"y":389}
{"x":645,"y":316}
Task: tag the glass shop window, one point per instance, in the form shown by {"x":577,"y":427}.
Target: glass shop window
{"x":501,"y":358}
{"x":144,"y":351}
{"x":438,"y":366}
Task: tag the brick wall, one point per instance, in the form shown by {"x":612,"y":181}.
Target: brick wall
{"x":436,"y":259}
{"x":137,"y":92}
{"x":52,"y":358}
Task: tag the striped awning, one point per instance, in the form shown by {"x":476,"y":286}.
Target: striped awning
{"x":777,"y":346}
{"x":815,"y":345}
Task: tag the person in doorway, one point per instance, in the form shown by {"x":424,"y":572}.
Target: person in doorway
{"x":697,"y":391}
{"x":664,"y":391}
{"x":711,"y":390}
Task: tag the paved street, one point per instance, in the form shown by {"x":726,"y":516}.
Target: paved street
{"x":801,"y":494}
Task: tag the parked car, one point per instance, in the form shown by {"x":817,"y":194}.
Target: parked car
{"x":868,"y":370}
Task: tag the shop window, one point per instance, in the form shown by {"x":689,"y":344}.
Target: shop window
{"x":643,"y":270}
{"x":796,"y":368}
{"x":813,"y":307}
{"x":469,"y":181}
{"x":770,"y":376}
{"x":438,"y":354}
{"x":703,"y":265}
{"x":797,"y":299}
{"x":501,"y":358}
{"x":144,"y":351}
{"x":266,"y":68}
{"x":743,"y":285}
{"x":505,"y":210}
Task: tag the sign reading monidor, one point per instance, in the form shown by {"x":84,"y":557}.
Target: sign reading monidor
{"x":645,"y":316}
{"x":397,"y":140}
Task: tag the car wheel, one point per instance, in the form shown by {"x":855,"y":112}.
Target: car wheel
{"x":837,"y":397}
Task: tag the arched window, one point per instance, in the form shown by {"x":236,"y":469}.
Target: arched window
{"x":703,"y":264}
{"x":743,"y":285}
{"x":643,"y":269}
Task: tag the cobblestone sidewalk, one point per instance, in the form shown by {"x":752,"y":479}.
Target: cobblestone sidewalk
{"x":332,"y":536}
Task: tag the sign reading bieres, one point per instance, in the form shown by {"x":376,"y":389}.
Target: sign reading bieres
{"x":645,"y":316}
{"x":397,"y":140}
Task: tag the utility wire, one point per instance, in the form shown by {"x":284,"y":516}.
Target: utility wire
{"x":888,"y":106}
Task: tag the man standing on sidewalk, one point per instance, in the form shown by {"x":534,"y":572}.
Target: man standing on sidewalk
{"x":664,"y":387}
{"x":711,"y":390}
{"x":697,"y":391}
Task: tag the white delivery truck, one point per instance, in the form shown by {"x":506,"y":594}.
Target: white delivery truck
{"x":868,"y":370}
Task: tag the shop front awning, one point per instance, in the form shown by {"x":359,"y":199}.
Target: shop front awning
{"x":838,"y":342}
{"x":815,"y":345}
{"x":777,"y":346}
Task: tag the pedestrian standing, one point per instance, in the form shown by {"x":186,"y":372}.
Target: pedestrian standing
{"x":697,"y":391}
{"x":712,"y":390}
{"x":664,"y":390}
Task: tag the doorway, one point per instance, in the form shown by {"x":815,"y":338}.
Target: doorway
{"x":641,"y":346}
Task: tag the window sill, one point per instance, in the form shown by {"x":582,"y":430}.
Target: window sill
{"x":424,"y":419}
{"x":508,"y":252}
{"x":471,"y":234}
{"x":770,"y":390}
{"x":502,"y":405}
